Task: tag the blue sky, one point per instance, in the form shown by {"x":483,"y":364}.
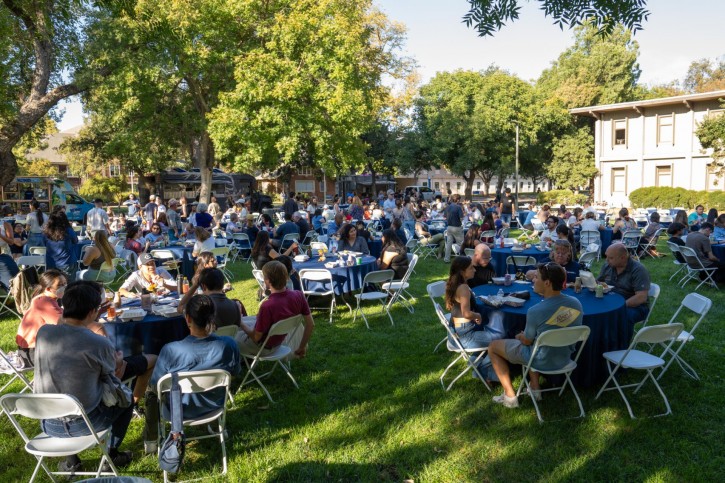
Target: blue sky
{"x":676,"y":34}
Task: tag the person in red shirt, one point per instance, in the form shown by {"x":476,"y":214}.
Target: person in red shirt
{"x":44,"y":309}
{"x":281,"y":304}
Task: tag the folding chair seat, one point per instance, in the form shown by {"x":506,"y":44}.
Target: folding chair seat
{"x":696,"y":270}
{"x":196,"y":382}
{"x":700,"y":306}
{"x":651,"y":243}
{"x":675,"y":250}
{"x":323,"y":286}
{"x":42,"y":446}
{"x":374,"y":280}
{"x":435,"y":291}
{"x":278,"y":355}
{"x":632,"y":358}
{"x":37,"y":261}
{"x":398,"y":290}
{"x":471,"y":357}
{"x":519,"y":262}
{"x":566,"y":336}
{"x":222,"y":256}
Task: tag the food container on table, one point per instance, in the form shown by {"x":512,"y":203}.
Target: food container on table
{"x":132,"y":315}
{"x":165,"y":310}
{"x":499,"y":280}
{"x":301,"y":258}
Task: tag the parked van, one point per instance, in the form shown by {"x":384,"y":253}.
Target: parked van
{"x":48,"y":192}
{"x":423,"y":191}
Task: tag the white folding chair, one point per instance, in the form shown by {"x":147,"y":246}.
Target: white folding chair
{"x":374,"y":279}
{"x":700,"y":306}
{"x":288,"y":240}
{"x":324,"y":286}
{"x":5,"y":297}
{"x":435,"y":291}
{"x":631,"y":358}
{"x":278,"y":355}
{"x":564,"y":337}
{"x":589,"y":237}
{"x":504,"y":232}
{"x":8,"y":368}
{"x":652,"y":243}
{"x":259,"y":277}
{"x":472,"y":357}
{"x":399,"y":289}
{"x":538,"y":225}
{"x":37,"y":261}
{"x":310,"y":237}
{"x":227,"y":330}
{"x":242,"y":244}
{"x":653,"y":295}
{"x":196,"y":382}
{"x":222,"y":256}
{"x":587,"y":259}
{"x":42,"y":446}
{"x":317,"y":245}
{"x":469,"y":252}
{"x":631,"y":239}
{"x":675,"y":249}
{"x":37,"y":251}
{"x":167,"y":258}
{"x":695,"y":268}
{"x":519,"y":262}
{"x":427,"y":249}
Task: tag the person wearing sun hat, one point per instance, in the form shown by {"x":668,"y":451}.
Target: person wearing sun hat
{"x":148,"y":275}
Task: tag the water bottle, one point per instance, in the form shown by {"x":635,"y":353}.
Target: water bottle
{"x":179,"y":284}
{"x":500,"y":293}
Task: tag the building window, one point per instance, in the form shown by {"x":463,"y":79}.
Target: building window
{"x":528,"y":185}
{"x":114,"y":170}
{"x":619,"y":133}
{"x":619,"y":180}
{"x":663,"y":176}
{"x":458,"y":186}
{"x":714,"y":182}
{"x":478,"y":185}
{"x":304,"y":171}
{"x":437,"y":185}
{"x":425,"y":183}
{"x":666,"y":129}
{"x":448,"y":185}
{"x":304,"y":186}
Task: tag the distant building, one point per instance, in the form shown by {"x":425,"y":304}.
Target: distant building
{"x":441,"y":180}
{"x":303,"y":180}
{"x":651,"y":143}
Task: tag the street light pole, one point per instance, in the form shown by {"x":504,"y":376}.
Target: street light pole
{"x":516,"y":199}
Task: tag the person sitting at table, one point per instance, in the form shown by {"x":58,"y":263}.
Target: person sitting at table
{"x":629,"y":279}
{"x":251,"y":229}
{"x":700,"y":242}
{"x":681,"y":217}
{"x":289,"y":227}
{"x":590,"y":222}
{"x":301,"y":222}
{"x":555,"y":311}
{"x":134,"y":242}
{"x":232,"y":226}
{"x":484,"y":269}
{"x":397,"y":225}
{"x":211,"y":281}
{"x":201,"y":218}
{"x":350,"y":241}
{"x":199,"y":351}
{"x":293,"y":279}
{"x":59,"y":239}
{"x":204,"y":241}
{"x":549,"y":233}
{"x":334,"y":226}
{"x":562,"y":253}
{"x":266,"y":224}
{"x":363,"y":232}
{"x":20,"y":239}
{"x":563,"y":232}
{"x":263,"y":251}
{"x":44,"y":309}
{"x":95,"y":256}
{"x":576,"y":218}
{"x":622,"y":224}
{"x":425,"y":237}
{"x":70,"y":359}
{"x":148,"y":274}
{"x":719,"y":232}
{"x":472,"y":238}
{"x":281,"y":304}
{"x":155,"y":234}
{"x":675,"y":231}
{"x":544,"y":213}
{"x":393,"y":254}
{"x":318,"y":219}
{"x":696,"y":218}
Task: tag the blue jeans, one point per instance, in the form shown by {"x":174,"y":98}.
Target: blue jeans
{"x":506,"y":218}
{"x":101,"y":418}
{"x":34,"y":240}
{"x":637,"y":314}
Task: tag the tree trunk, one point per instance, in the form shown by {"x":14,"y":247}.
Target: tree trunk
{"x":469,"y":185}
{"x":146,"y":185}
{"x":373,"y":181}
{"x":205,"y":162}
{"x":486,"y":176}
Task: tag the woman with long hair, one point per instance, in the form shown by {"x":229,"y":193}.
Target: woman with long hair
{"x":472,"y":237}
{"x":134,"y":242}
{"x":681,"y":217}
{"x":97,"y":255}
{"x":393,"y":254}
{"x":489,"y":224}
{"x":349,"y":240}
{"x":467,"y":321}
{"x":34,"y":224}
{"x":356,"y":209}
{"x":44,"y":309}
{"x":263,"y":251}
{"x":204,"y":241}
{"x":59,"y":238}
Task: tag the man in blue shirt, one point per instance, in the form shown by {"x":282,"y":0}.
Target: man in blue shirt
{"x":287,"y":228}
{"x":199,"y":351}
{"x":454,"y":218}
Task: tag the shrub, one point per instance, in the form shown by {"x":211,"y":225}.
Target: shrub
{"x":666,"y":197}
{"x":561,"y":197}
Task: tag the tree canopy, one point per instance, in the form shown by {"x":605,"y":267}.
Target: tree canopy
{"x":488,"y":16}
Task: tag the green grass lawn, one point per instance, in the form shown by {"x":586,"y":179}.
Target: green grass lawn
{"x":371,"y":408}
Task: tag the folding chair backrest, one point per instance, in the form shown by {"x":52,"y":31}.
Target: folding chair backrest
{"x":315,"y":275}
{"x":411,"y":244}
{"x":259,"y":277}
{"x":220,"y":252}
{"x":318,"y":245}
{"x":563,"y":337}
{"x":243,"y":237}
{"x":36,"y":250}
{"x":284,"y":327}
{"x":163,"y":254}
{"x":196,"y":381}
{"x":379,"y":276}
{"x":469,"y":252}
{"x":413,"y":261}
{"x":42,"y":406}
{"x":310,"y":236}
{"x":697,"y":303}
{"x":653,"y":295}
{"x":690,"y":256}
{"x":227,"y":330}
{"x":587,"y":258}
{"x":674,"y":247}
{"x":30,"y":261}
{"x":589,"y":236}
{"x":488,"y":234}
{"x":655,"y":334}
{"x":442,"y":319}
{"x":436,"y":290}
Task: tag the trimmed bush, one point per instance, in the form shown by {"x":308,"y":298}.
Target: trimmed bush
{"x":666,"y":197}
{"x":561,"y":197}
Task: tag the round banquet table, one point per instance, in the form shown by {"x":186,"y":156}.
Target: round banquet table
{"x":606,"y":237}
{"x":148,"y":335}
{"x":606,"y":317}
{"x":183,"y":253}
{"x":345,"y":279}
{"x":499,"y":256}
{"x":376,"y":247}
{"x":719,"y":251}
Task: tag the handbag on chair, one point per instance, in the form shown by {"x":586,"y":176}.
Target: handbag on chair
{"x":171,"y":455}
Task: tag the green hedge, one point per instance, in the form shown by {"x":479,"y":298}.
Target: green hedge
{"x":665,"y":197}
{"x":561,"y":197}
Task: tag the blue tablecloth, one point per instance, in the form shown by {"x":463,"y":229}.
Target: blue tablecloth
{"x":376,"y":248}
{"x":78,"y":247}
{"x":606,"y":236}
{"x":606,"y":317}
{"x":719,"y":252}
{"x":147,"y":336}
{"x":183,"y":253}
{"x":346,"y":279}
{"x":499,"y":256}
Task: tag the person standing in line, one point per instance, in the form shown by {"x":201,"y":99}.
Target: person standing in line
{"x":97,"y":219}
{"x":454,"y":218}
{"x":149,"y":212}
{"x":506,"y":207}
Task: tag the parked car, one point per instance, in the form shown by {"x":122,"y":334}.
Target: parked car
{"x":423,"y":191}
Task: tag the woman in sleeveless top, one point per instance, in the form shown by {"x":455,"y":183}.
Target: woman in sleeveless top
{"x":99,"y":253}
{"x":467,"y":322}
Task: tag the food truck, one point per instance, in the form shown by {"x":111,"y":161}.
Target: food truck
{"x":48,"y":192}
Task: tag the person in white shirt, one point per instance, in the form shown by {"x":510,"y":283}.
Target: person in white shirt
{"x":232,"y":226}
{"x":549,"y":233}
{"x":389,"y":204}
{"x":160,"y":207}
{"x":97,"y":219}
{"x":146,"y":275}
{"x":590,"y":222}
{"x":204,"y":242}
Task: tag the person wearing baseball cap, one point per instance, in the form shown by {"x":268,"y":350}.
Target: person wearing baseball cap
{"x":147,"y":274}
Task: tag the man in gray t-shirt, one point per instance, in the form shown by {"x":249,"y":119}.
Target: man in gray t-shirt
{"x":70,"y":359}
{"x":628,"y":278}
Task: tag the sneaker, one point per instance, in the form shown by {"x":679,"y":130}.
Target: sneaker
{"x":534,"y":393}
{"x":150,"y":447}
{"x":509,"y":402}
{"x":65,"y":467}
{"x":121,"y":459}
